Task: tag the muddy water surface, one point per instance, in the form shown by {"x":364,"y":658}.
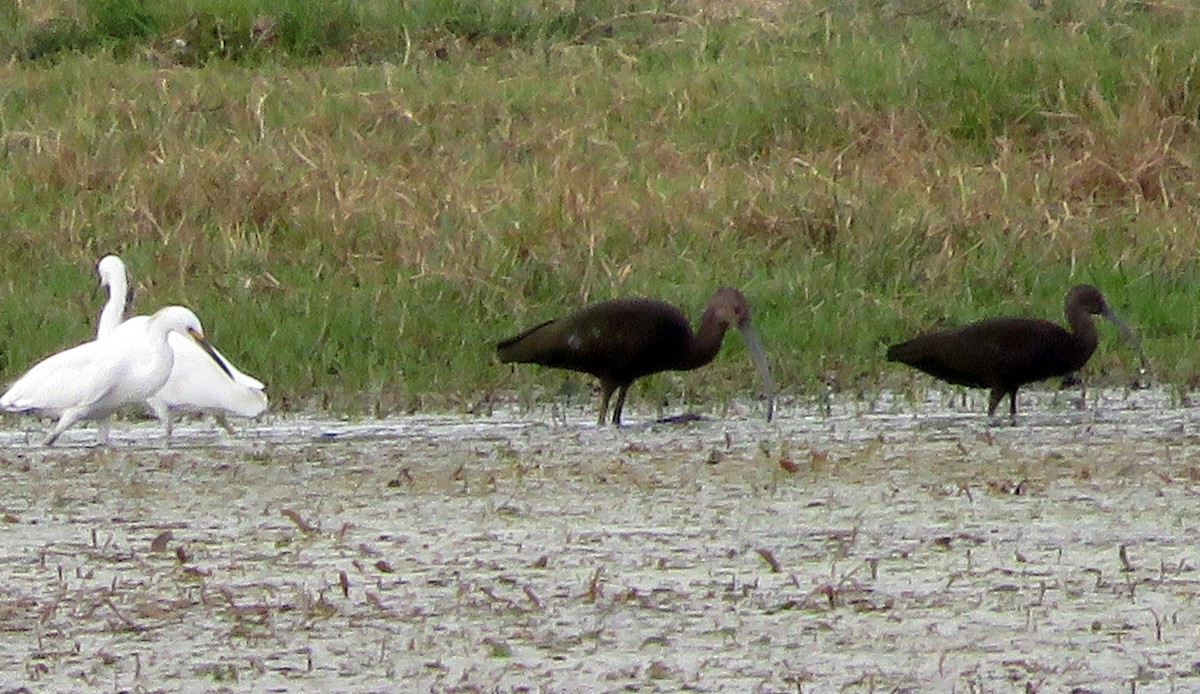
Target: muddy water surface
{"x":887,"y":545}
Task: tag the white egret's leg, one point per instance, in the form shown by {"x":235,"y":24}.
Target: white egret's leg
{"x":224,"y":422}
{"x":162,"y":413}
{"x":69,"y":418}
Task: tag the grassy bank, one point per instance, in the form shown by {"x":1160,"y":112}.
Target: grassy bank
{"x":359,"y":201}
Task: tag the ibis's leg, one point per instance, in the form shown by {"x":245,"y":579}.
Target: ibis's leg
{"x":606,"y":391}
{"x":621,"y":392}
{"x":994,"y":399}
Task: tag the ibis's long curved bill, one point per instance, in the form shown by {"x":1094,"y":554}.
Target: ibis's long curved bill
{"x":760,"y":361}
{"x":1129,"y":335}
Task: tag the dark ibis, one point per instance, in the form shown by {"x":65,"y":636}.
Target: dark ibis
{"x":1004,"y":354}
{"x":620,"y":340}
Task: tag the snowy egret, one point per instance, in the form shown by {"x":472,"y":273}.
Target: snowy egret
{"x":95,"y":379}
{"x":197,"y":384}
{"x":115,"y":278}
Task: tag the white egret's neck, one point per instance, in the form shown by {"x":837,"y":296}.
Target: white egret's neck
{"x":112,"y":276}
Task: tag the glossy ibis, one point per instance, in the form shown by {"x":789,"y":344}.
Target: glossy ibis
{"x":197,"y":383}
{"x":95,"y":379}
{"x":620,"y":340}
{"x":1004,"y":354}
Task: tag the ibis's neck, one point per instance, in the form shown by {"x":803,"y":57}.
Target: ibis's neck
{"x":706,"y":342}
{"x":1083,"y":329}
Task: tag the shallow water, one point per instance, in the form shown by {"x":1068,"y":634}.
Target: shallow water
{"x":885,"y":545}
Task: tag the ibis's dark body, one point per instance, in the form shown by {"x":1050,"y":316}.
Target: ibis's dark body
{"x":1003,"y":354}
{"x":621,"y":340}
{"x":617,"y":341}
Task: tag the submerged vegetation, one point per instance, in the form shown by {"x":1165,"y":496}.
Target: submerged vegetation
{"x":360,"y":197}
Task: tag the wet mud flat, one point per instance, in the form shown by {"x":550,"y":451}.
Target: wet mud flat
{"x":873,"y":546}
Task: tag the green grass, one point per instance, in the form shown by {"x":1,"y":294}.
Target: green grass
{"x":360,"y":198}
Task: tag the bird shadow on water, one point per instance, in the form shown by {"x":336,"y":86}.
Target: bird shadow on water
{"x":684,"y":418}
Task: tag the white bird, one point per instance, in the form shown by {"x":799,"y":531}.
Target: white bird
{"x":95,"y":379}
{"x":197,"y":383}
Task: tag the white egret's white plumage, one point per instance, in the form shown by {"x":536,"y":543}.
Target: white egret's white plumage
{"x":95,"y":379}
{"x":197,"y":383}
{"x":114,"y":278}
